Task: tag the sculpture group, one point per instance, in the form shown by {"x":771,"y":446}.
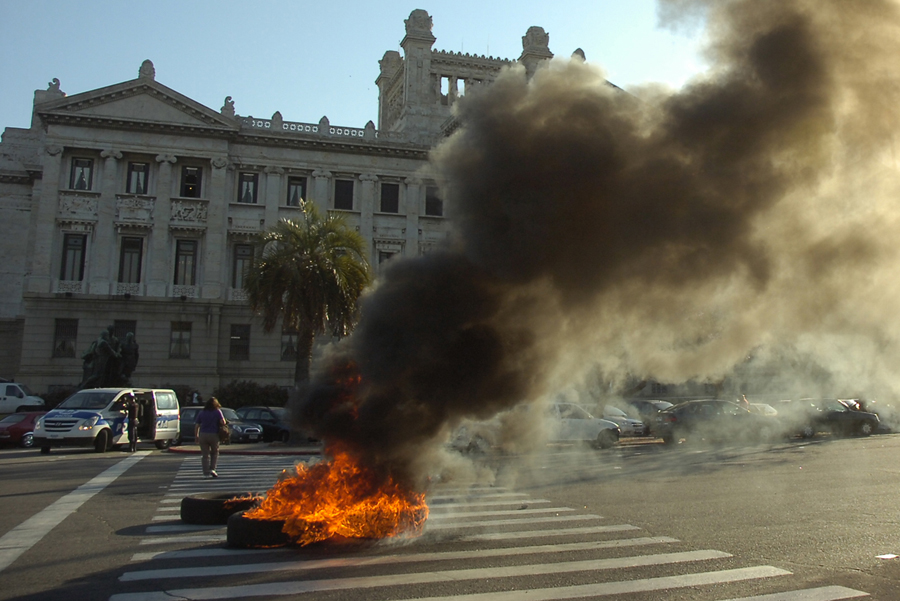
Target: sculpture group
{"x":109,"y":362}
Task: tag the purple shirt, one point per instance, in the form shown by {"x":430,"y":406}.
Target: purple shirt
{"x":209,"y":420}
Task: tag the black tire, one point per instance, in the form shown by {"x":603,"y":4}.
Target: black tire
{"x":244,"y":533}
{"x":668,"y":438}
{"x":177,"y":441}
{"x":865,"y":428}
{"x":163,"y":444}
{"x":214,"y":508}
{"x":25,"y":408}
{"x":45,"y":450}
{"x":101,"y":443}
{"x":606,"y":439}
{"x":284,"y":436}
{"x":807,"y":431}
{"x":27,"y":440}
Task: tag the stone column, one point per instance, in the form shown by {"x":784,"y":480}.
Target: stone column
{"x":367,"y":212}
{"x":214,"y":252}
{"x":413,"y":203}
{"x":159,"y":272}
{"x":103,"y":250}
{"x":44,"y":218}
{"x":273,"y":194}
{"x":320,"y":191}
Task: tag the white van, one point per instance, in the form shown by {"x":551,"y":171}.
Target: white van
{"x":98,"y":417}
{"x":17,"y":397}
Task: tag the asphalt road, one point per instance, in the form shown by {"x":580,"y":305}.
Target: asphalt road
{"x":639,"y":522}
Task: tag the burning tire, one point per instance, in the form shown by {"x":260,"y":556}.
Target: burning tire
{"x":244,"y":533}
{"x":214,"y":508}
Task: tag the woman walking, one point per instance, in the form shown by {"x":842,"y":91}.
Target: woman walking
{"x":206,"y":432}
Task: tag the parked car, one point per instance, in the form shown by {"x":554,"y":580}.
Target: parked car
{"x":807,"y":417}
{"x":16,"y":397}
{"x":18,"y":428}
{"x":272,"y":420}
{"x":628,"y":426}
{"x":571,"y":422}
{"x":763,"y":409}
{"x":240,"y":430}
{"x":646,"y":410}
{"x":713,"y":419}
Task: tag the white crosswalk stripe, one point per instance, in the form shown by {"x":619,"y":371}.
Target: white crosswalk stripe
{"x":517,"y":542}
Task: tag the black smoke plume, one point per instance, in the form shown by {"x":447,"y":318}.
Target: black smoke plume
{"x":651,"y":232}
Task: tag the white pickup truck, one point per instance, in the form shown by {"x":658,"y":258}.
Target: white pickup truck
{"x":16,"y":397}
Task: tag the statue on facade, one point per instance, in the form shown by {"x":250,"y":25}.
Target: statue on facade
{"x":130,"y":355}
{"x":109,"y":363}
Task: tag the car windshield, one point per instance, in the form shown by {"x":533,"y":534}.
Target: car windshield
{"x":87,"y":400}
{"x":610,"y":411}
{"x":15,"y":418}
{"x":230,"y":415}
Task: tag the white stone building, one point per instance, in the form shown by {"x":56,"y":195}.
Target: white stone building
{"x":133,"y":205}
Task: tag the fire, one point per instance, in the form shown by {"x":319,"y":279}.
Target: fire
{"x":340,"y":497}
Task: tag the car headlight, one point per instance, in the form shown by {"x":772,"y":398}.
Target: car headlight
{"x":89,"y":423}
{"x":238,"y":429}
{"x":39,"y":424}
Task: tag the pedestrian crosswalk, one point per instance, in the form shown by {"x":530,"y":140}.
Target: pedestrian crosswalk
{"x":480,"y":544}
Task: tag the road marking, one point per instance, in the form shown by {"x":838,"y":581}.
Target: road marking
{"x":309,"y":586}
{"x":546,"y":533}
{"x":429,"y":525}
{"x":826,"y":593}
{"x":438,"y":507}
{"x":615,"y":588}
{"x":28,"y":533}
{"x":478,"y":514}
{"x":355,"y":562}
{"x":179,"y":540}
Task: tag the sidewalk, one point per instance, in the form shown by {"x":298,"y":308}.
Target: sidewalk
{"x":258,"y":448}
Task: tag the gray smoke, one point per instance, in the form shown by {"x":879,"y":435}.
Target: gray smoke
{"x":746,"y":219}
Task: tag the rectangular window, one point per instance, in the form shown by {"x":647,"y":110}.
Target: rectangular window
{"x":191,"y":178}
{"x":343,"y":194}
{"x":390,"y":198}
{"x":243,"y":257}
{"x":64,"y":337}
{"x":240,"y":342}
{"x":130,"y":260}
{"x":296,"y":191}
{"x":138,"y":174}
{"x":185,"y":262}
{"x":73,"y":257}
{"x":384,"y":256}
{"x":288,"y":345}
{"x":121,"y":327}
{"x":434,"y":206}
{"x":247,"y":185}
{"x":82,"y":174}
{"x":180,"y":340}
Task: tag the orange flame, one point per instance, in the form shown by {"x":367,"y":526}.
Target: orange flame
{"x":340,"y":497}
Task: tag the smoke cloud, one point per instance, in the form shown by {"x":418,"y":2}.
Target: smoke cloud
{"x":744,"y":222}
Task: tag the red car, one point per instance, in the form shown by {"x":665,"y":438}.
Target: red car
{"x":17,"y":428}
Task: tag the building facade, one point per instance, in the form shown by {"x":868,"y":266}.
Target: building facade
{"x":134,"y":206}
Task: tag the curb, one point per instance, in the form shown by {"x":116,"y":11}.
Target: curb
{"x":228,"y":450}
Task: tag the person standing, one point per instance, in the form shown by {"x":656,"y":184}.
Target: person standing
{"x":132,"y":408}
{"x":206,"y":432}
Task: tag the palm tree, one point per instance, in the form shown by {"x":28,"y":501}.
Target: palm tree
{"x":308,"y":273}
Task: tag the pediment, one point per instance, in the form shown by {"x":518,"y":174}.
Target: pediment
{"x":139,"y":101}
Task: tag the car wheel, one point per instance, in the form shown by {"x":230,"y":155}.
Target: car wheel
{"x":27,"y":440}
{"x":45,"y":450}
{"x":163,"y":444}
{"x":606,"y":439}
{"x":24,"y":408}
{"x":668,"y":438}
{"x":807,"y":432}
{"x":101,"y":443}
{"x":865,"y":429}
{"x":244,"y":533}
{"x":211,"y":509}
{"x":177,"y":441}
{"x":284,"y":436}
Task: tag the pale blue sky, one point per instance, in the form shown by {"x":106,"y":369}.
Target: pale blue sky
{"x":306,"y":59}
